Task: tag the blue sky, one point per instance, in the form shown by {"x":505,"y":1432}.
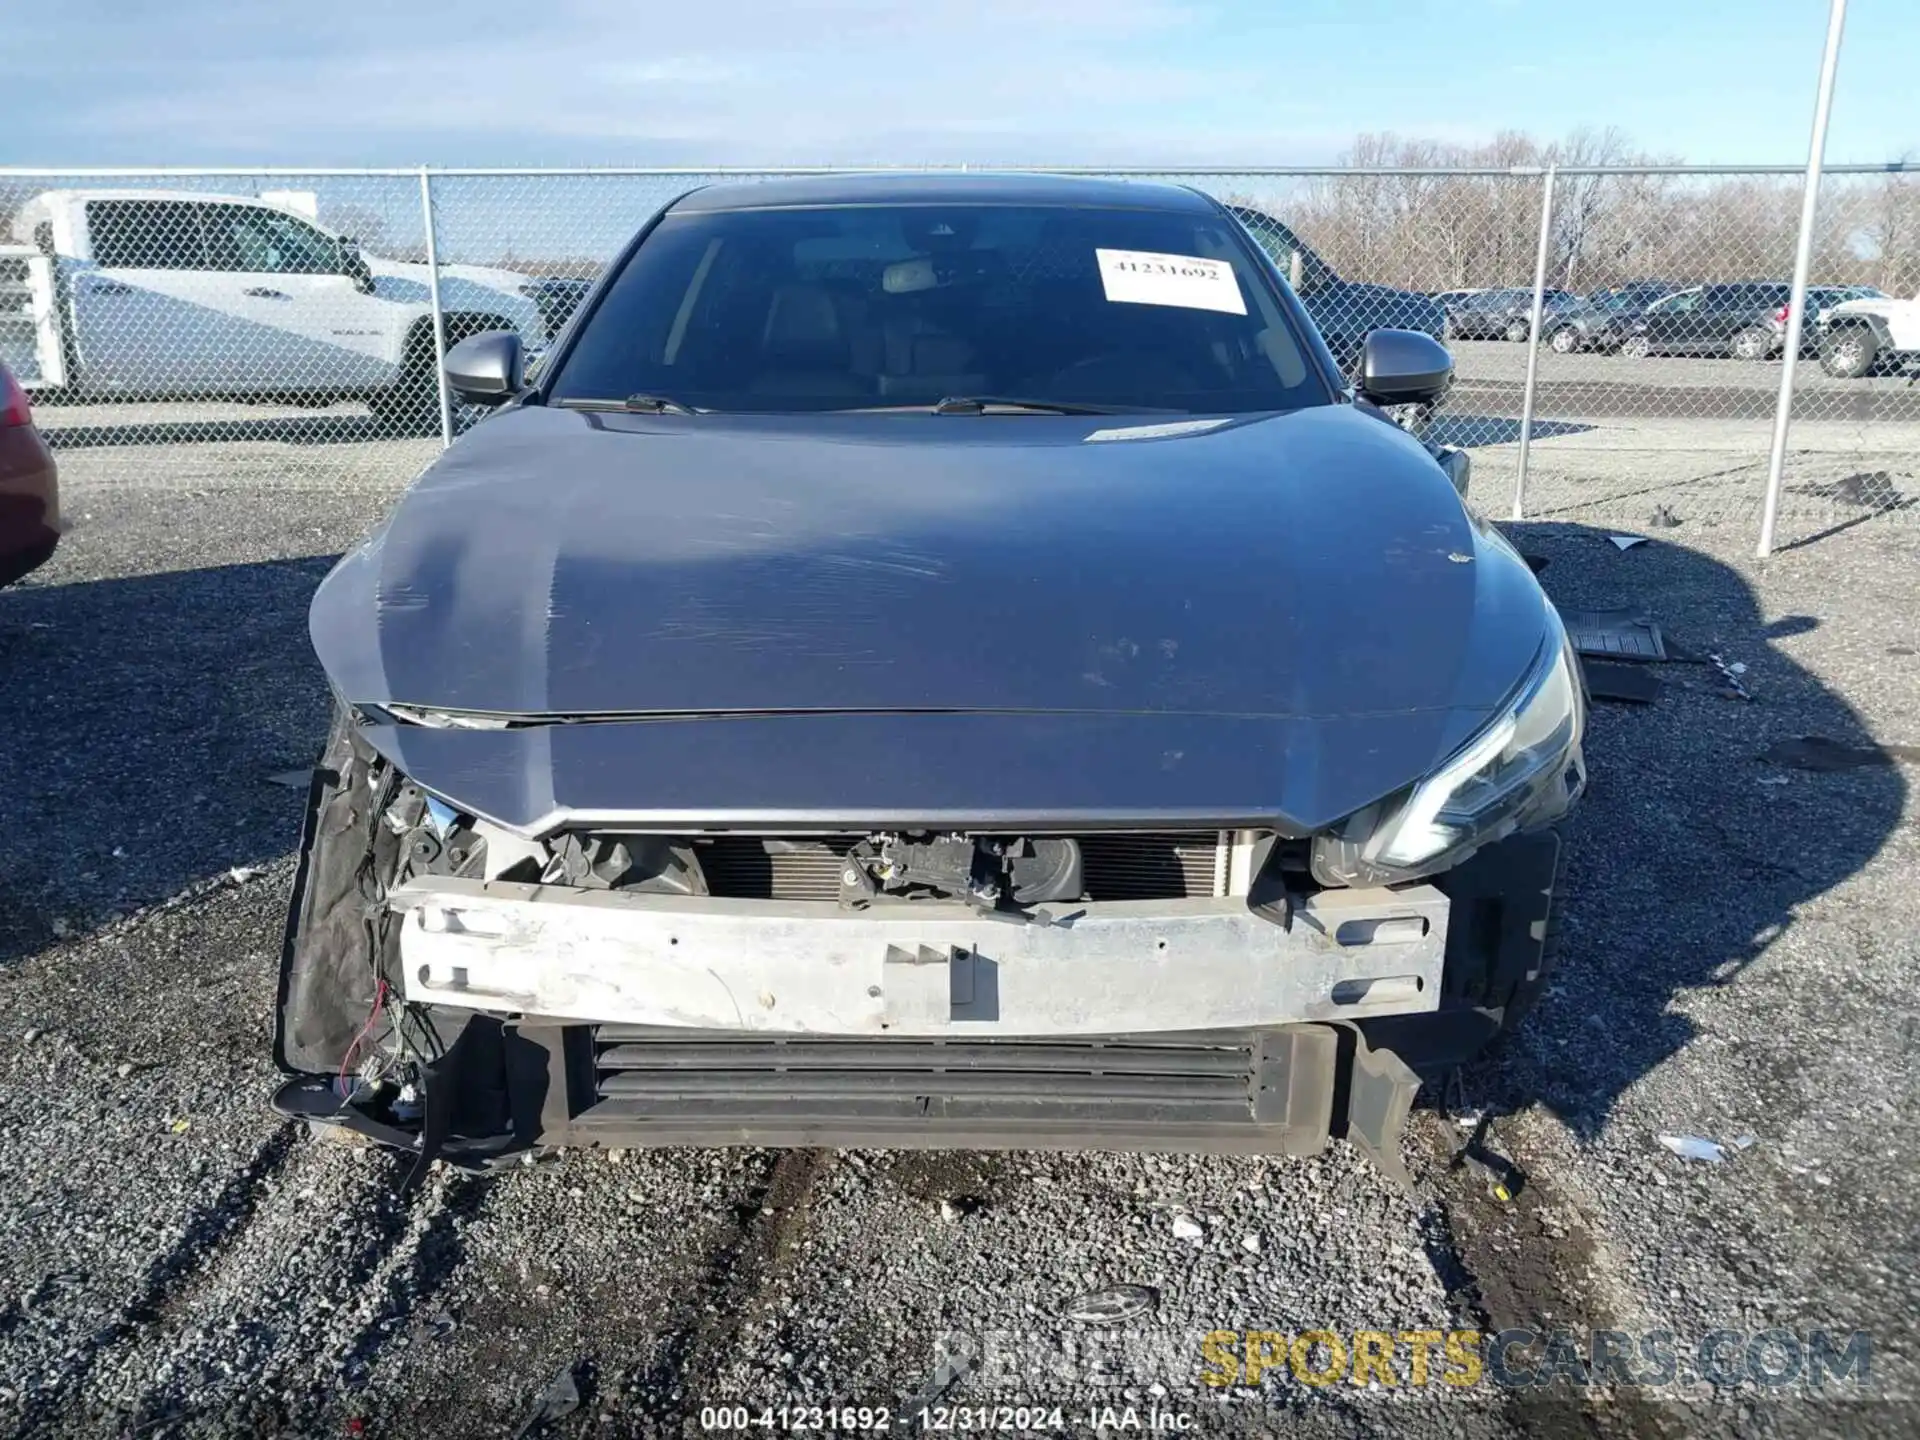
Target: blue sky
{"x":1203,"y":82}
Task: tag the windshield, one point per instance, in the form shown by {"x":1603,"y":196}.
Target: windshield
{"x":876,"y":306}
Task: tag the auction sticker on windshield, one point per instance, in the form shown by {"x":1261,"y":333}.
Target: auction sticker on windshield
{"x":1142,"y":277}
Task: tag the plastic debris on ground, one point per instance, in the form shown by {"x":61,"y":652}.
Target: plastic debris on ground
{"x":1614,"y":634}
{"x":1185,"y":1227}
{"x":1731,"y":675}
{"x":1632,"y":684}
{"x":559,"y":1400}
{"x":1113,"y":1306}
{"x":1694,"y":1147}
{"x":439,"y":1327}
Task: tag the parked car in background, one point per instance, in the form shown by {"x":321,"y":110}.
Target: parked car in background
{"x":29,"y":487}
{"x":1820,"y":299}
{"x":1859,"y":337}
{"x":1728,"y":319}
{"x":1105,"y":729}
{"x":1446,"y":298}
{"x":159,"y":294}
{"x":1556,"y":307}
{"x":1600,"y":321}
{"x":1347,"y":311}
{"x":1634,"y":295}
{"x":1505,"y":314}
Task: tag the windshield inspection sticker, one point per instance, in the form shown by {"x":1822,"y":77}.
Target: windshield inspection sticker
{"x":1141,"y":277}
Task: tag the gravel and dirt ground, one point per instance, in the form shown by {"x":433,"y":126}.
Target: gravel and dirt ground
{"x":1739,"y":959}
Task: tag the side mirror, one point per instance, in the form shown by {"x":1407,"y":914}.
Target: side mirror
{"x":354,"y":266}
{"x":486,"y":369}
{"x":1404,"y":367}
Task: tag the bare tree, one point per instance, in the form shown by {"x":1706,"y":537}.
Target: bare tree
{"x":1891,"y":231}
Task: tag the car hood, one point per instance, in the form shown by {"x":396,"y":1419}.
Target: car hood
{"x":893,"y":608}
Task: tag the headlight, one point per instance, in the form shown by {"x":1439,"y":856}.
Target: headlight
{"x":1523,"y":769}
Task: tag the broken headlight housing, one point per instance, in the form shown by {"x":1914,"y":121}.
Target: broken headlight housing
{"x":1524,"y":769}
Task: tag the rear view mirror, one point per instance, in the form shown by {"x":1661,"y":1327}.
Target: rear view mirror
{"x":486,"y":369}
{"x":1404,"y":367}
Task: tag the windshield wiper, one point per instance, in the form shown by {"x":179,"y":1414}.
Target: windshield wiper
{"x":634,"y":404}
{"x":981,"y":404}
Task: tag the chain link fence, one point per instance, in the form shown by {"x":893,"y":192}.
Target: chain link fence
{"x":1617,"y":332}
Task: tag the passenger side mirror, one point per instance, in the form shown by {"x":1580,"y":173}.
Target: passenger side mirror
{"x":486,"y":369}
{"x":354,"y":266}
{"x":1404,"y":367}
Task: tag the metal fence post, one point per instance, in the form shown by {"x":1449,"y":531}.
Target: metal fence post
{"x":1533,"y":344}
{"x":1802,"y":260}
{"x":439,"y":315}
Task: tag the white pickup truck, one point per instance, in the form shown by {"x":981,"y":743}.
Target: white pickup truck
{"x":167,"y":294}
{"x":1862,"y":337}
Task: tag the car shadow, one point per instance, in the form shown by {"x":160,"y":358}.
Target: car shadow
{"x":147,"y":716}
{"x":1689,"y":854}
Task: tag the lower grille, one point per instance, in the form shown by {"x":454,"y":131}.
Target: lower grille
{"x":640,"y":1070}
{"x":1164,"y":865}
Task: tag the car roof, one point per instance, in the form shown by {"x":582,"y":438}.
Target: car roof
{"x":943,"y":188}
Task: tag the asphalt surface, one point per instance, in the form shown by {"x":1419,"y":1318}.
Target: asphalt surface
{"x":1738,"y":962}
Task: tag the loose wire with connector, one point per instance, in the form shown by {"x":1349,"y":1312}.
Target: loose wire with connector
{"x":373,"y":1018}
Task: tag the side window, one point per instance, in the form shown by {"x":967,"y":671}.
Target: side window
{"x":1283,"y":247}
{"x":246,"y":238}
{"x":145,"y":235}
{"x":1270,"y":235}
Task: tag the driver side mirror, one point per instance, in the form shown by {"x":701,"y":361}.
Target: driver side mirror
{"x":354,"y":266}
{"x":486,"y":369}
{"x":1404,"y":367}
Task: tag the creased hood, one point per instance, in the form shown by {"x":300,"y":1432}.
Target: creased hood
{"x":1223,"y":593}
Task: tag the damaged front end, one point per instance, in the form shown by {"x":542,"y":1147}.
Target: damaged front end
{"x":456,"y":990}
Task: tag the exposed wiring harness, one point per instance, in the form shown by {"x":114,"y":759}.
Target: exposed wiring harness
{"x":347,"y":1089}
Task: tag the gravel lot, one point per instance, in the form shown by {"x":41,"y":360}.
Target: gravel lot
{"x":1739,"y":960}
